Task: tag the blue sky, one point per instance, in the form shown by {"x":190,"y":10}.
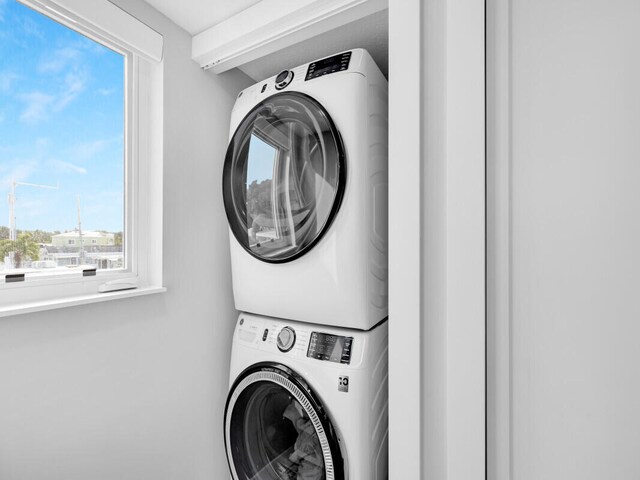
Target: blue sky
{"x":261,"y":158}
{"x":61,"y":122}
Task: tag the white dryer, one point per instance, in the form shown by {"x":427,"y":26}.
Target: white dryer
{"x":307,"y":402}
{"x":305,"y":192}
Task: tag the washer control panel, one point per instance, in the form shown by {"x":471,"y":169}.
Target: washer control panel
{"x":283,"y":79}
{"x":286,"y":339}
{"x":328,"y":65}
{"x":302,"y":342}
{"x":332,"y":348}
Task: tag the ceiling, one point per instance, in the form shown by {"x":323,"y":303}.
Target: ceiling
{"x":370,"y":33}
{"x":195,"y":16}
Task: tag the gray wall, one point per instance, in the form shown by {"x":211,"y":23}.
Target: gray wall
{"x":135,"y":389}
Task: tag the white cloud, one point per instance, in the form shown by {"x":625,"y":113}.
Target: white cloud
{"x":74,"y":85}
{"x":31,"y":28}
{"x":37,"y":106}
{"x":88,"y":150}
{"x":19,"y":171}
{"x":3,"y":4}
{"x":68,"y":167}
{"x":60,"y":59}
{"x":6,"y":81}
{"x":105,"y":91}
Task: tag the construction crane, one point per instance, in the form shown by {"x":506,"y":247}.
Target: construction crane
{"x":13,"y":233}
{"x":81,"y":256}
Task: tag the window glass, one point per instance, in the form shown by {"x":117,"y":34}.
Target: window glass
{"x":62,"y":159}
{"x":260,"y":206}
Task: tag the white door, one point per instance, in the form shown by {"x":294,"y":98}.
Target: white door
{"x":564,"y":239}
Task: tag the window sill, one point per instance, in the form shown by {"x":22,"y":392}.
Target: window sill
{"x":79,"y":300}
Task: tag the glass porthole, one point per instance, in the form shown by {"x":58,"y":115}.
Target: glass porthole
{"x":284,"y":177}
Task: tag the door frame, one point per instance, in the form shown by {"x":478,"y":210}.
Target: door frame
{"x":499,"y":357}
{"x":437,"y":247}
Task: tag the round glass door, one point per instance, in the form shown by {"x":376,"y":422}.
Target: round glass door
{"x":284,"y":176}
{"x":276,"y":430}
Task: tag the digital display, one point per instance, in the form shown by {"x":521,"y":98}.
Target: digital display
{"x":328,"y":65}
{"x":331,"y":348}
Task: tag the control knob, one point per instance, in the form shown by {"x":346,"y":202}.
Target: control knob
{"x":283,"y":79}
{"x":286,"y":339}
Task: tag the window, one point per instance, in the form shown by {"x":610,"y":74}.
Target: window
{"x":80,"y":157}
{"x":63,"y":154}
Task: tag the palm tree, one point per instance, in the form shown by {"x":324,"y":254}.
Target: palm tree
{"x":23,"y":248}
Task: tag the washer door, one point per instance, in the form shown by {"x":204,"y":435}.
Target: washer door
{"x":284,"y":177}
{"x":275,"y":429}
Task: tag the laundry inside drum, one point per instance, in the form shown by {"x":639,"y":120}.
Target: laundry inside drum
{"x":273,"y":438}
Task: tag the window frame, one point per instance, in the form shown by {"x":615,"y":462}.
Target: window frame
{"x":142,"y":177}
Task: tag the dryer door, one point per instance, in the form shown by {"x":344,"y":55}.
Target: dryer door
{"x":275,"y":429}
{"x":284,"y":177}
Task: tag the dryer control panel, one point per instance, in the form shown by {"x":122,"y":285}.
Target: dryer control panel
{"x":328,"y":65}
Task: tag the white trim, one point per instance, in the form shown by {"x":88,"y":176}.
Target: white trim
{"x":434,"y":234}
{"x":150,"y":176}
{"x":406,"y":402}
{"x":57,"y":303}
{"x":499,"y":240}
{"x":466,"y":239}
{"x":132,"y":157}
{"x":272,"y":25}
{"x":108,"y":21}
{"x":437,"y":240}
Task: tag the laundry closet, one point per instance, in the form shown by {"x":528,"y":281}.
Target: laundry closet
{"x":304,"y":185}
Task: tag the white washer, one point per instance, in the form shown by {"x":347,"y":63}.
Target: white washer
{"x":305,"y":192}
{"x":307,"y":402}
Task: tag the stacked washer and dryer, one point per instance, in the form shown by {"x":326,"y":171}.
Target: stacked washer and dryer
{"x":305,"y":192}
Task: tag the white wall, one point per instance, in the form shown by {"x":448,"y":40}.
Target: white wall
{"x":135,"y":389}
{"x":573,"y":173}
